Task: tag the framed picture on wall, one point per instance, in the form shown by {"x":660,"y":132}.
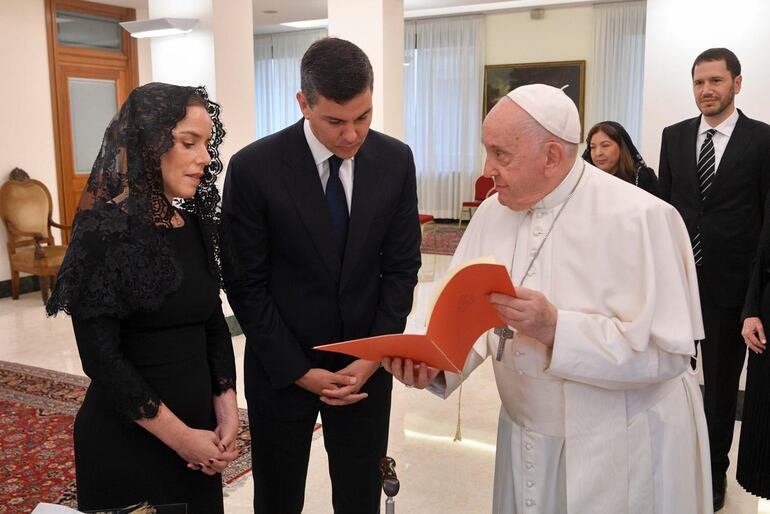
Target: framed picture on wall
{"x":499,"y":79}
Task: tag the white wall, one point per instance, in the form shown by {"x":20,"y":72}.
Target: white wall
{"x":676,"y":33}
{"x":186,"y":59}
{"x":144,"y":51}
{"x":377,"y":27}
{"x":234,"y":59}
{"x":26,"y":130}
{"x":565,"y":34}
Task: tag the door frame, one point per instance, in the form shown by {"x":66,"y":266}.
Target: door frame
{"x":61,"y":58}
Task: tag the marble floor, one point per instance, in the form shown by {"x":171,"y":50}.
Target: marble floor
{"x":438,"y":476}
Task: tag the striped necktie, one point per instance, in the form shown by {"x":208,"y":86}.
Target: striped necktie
{"x":706,"y":171}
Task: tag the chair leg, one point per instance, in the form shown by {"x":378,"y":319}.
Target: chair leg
{"x":460,"y":217}
{"x":431,"y":233}
{"x":43,"y":279}
{"x":15,"y":285}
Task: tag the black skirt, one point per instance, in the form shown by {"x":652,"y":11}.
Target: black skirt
{"x":753,"y":469}
{"x":118,"y":462}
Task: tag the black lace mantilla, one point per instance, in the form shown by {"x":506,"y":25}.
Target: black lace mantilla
{"x":118,"y":261}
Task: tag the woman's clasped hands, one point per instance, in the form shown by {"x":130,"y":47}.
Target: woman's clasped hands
{"x":207,"y":451}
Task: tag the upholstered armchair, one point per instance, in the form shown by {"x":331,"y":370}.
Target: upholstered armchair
{"x":25,"y":208}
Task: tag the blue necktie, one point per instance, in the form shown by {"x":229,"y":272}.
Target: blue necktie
{"x":338,"y":204}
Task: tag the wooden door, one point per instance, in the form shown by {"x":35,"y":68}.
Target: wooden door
{"x":93,"y":70}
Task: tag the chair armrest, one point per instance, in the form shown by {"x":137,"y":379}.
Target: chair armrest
{"x":20,"y":233}
{"x":60,"y":226}
{"x":39,"y":252}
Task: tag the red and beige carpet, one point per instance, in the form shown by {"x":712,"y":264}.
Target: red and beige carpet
{"x":441,"y":238}
{"x":37,"y":411}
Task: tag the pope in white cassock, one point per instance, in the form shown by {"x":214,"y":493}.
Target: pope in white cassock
{"x":601,"y":413}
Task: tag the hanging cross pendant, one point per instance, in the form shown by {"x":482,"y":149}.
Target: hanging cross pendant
{"x":504,"y":333}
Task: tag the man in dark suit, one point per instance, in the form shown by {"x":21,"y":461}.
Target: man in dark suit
{"x":715,"y":169}
{"x":322,"y":244}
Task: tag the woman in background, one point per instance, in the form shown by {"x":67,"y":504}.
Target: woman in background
{"x":609,"y":148}
{"x":753,"y":469}
{"x":141,"y":282}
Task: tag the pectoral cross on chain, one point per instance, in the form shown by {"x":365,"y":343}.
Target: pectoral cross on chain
{"x":504,"y":333}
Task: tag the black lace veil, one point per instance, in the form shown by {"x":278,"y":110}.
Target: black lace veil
{"x":118,"y":260}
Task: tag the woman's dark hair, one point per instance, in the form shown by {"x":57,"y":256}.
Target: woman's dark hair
{"x":626,"y":168}
{"x":197,"y":100}
{"x":118,"y":261}
{"x":335,"y":69}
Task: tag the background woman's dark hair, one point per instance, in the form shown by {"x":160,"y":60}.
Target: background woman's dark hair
{"x":335,"y":69}
{"x":626,"y":169}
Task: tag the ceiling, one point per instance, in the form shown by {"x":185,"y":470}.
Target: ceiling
{"x":298,"y":10}
{"x":294,"y":10}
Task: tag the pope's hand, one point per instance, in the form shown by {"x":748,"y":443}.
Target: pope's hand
{"x":754,"y":335}
{"x":529,"y":313}
{"x":408,"y":373}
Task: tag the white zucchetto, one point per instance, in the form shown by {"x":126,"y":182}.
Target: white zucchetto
{"x":550,"y":107}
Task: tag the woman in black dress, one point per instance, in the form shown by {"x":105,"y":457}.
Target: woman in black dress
{"x":609,"y":148}
{"x":753,"y":469}
{"x":141,"y":282}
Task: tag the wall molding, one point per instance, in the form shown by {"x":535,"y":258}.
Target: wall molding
{"x":26,"y":285}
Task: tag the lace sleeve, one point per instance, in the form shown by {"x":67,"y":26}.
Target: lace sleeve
{"x":98,"y":341}
{"x":219,"y":347}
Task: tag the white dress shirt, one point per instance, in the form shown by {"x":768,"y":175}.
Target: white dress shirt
{"x":321,"y":156}
{"x":721,"y":137}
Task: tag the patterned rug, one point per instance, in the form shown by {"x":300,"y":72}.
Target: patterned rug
{"x":37,"y":412}
{"x":441,"y":238}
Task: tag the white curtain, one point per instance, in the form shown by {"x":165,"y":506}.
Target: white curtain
{"x":618,"y":66}
{"x":443,"y":80}
{"x":277,"y":59}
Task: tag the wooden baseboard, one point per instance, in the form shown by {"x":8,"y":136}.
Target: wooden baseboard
{"x":26,"y":285}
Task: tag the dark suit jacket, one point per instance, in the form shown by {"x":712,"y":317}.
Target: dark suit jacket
{"x":283,"y":274}
{"x":730,"y":219}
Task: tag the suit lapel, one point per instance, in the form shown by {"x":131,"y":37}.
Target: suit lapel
{"x":304,"y":186}
{"x":736,"y":146}
{"x":366,"y":177}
